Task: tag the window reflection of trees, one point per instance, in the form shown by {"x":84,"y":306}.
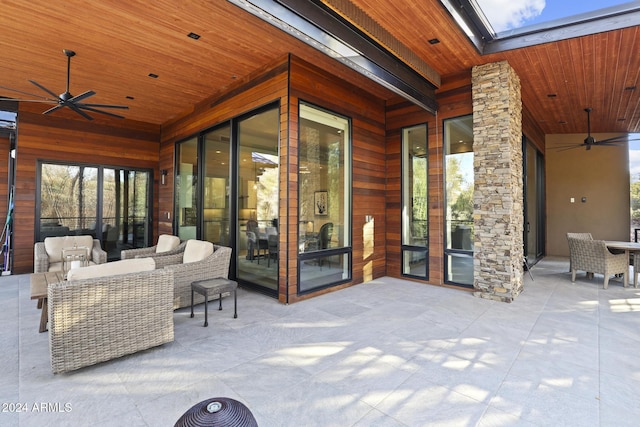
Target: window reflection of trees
{"x":70,"y":196}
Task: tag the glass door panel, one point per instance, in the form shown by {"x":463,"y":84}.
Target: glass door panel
{"x":186,"y":189}
{"x":534,"y":203}
{"x":110,"y":204}
{"x":217,"y":210}
{"x":258,"y":199}
{"x":68,"y":200}
{"x":125,"y":210}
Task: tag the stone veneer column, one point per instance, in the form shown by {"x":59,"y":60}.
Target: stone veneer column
{"x":498,"y":194}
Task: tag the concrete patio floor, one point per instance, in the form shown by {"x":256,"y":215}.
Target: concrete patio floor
{"x":385,"y":353}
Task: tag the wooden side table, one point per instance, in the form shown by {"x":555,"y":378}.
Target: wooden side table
{"x":211,"y":287}
{"x":38,"y":284}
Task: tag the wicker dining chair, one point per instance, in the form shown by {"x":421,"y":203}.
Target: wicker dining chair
{"x":592,"y":256}
{"x":585,"y":236}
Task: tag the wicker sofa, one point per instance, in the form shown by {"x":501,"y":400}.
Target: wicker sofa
{"x":47,"y":255}
{"x":213,"y":264}
{"x":592,"y":256}
{"x":95,"y":319}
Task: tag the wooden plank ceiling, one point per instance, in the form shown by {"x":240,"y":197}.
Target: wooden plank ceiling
{"x":118,"y":44}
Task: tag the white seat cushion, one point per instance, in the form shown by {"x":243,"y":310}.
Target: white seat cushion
{"x":196,"y":250}
{"x":167,"y":242}
{"x":124,"y":266}
{"x":54,"y":246}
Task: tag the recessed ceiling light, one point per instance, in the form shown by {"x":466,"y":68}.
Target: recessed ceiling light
{"x":153,"y":76}
{"x":552,"y":95}
{"x":434,"y":41}
{"x":194,"y":36}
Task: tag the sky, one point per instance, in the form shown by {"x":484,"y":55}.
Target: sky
{"x":634,"y":157}
{"x":509,"y":14}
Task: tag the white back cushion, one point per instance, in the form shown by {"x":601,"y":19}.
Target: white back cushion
{"x":167,"y":242}
{"x":54,"y":245}
{"x":196,"y":250}
{"x":124,"y":266}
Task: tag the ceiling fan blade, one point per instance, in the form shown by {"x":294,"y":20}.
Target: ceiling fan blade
{"x":123,"y":107}
{"x":71,"y":106}
{"x":52,"y":109}
{"x":101,"y":112}
{"x":78,"y":110}
{"x":621,"y":138}
{"x":571,"y":147}
{"x":44,"y":89}
{"x":41,"y":101}
{"x":82,"y":96}
{"x":26,"y":93}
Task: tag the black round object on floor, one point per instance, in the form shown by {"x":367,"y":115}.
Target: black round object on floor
{"x":219,"y":412}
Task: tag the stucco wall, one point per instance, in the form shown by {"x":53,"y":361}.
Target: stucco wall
{"x":601,"y":175}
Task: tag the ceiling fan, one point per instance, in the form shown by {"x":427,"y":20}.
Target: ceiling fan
{"x":66,"y":99}
{"x":590,"y":141}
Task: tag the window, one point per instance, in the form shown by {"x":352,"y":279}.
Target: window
{"x":111,"y":204}
{"x":458,"y":150}
{"x":415,"y":222}
{"x":324,"y":209}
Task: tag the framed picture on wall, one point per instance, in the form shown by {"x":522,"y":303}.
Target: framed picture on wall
{"x":321,"y":203}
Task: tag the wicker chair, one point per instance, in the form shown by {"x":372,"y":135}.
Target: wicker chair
{"x":585,"y":236}
{"x":592,"y":256}
{"x":47,"y":255}
{"x":167,"y":245}
{"x":211,"y":266}
{"x":99,"y":319}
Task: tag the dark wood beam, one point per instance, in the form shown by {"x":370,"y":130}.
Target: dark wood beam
{"x":327,"y":32}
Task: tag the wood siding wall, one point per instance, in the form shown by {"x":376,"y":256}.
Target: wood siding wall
{"x":313,"y":85}
{"x":119,"y":143}
{"x":265,"y":86}
{"x":290,"y":80}
{"x":454,"y":99}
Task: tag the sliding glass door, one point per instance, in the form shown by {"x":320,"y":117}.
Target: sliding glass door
{"x":186,"y":190}
{"x":534,"y":203}
{"x":216,"y":215}
{"x":227,"y":192}
{"x":111,"y":204}
{"x":258,"y":189}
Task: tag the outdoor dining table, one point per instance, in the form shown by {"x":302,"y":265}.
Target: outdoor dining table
{"x":628,"y":247}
